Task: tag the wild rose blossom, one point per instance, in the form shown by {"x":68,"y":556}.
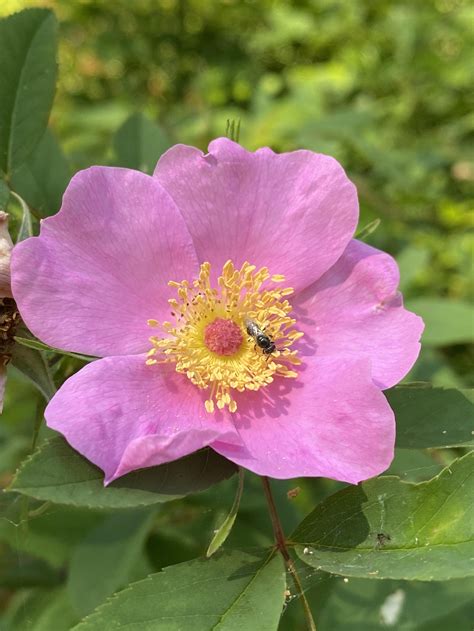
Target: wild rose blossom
{"x":160,"y":276}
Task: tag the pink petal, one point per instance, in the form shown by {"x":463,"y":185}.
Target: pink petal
{"x":355,"y":310}
{"x":99,"y":269}
{"x":332,"y":421}
{"x":123,"y":415}
{"x":293,"y":213}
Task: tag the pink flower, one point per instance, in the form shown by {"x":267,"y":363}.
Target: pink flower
{"x":225,"y":228}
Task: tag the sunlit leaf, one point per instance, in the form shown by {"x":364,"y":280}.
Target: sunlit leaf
{"x":386,"y":528}
{"x":446,"y":321}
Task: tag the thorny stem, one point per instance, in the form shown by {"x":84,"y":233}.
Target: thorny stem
{"x":281,"y":546}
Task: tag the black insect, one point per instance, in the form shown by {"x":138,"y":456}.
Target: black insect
{"x":262,"y":340}
{"x":382,"y":539}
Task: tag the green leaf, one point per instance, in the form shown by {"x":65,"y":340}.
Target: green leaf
{"x":43,"y":178}
{"x":432,"y":417}
{"x":18,"y":571}
{"x":26,"y":226}
{"x":415,"y":465}
{"x":28,"y":43}
{"x":139,"y":143}
{"x":106,"y":558}
{"x":411,"y":260}
{"x":33,"y":365}
{"x":4,"y":195}
{"x":231,"y":591}
{"x":36,"y":344}
{"x":446,"y":321}
{"x":51,"y":535}
{"x":386,"y":528}
{"x":367,"y":230}
{"x":58,"y":473}
{"x":40,"y":610}
{"x":381,"y":605}
{"x":224,"y":530}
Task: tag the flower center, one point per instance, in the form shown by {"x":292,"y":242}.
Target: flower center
{"x":223,"y":337}
{"x":230,"y":339}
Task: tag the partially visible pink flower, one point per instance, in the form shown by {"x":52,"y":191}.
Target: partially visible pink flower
{"x":8,"y":312}
{"x":225,"y":228}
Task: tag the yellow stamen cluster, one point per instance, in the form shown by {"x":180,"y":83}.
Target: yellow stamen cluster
{"x":242,"y":294}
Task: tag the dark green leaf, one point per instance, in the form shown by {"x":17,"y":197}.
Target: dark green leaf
{"x":139,"y":143}
{"x":432,"y":417}
{"x":33,"y":365}
{"x":415,"y":465}
{"x":385,"y":528}
{"x":380,"y":605}
{"x":40,"y":610}
{"x":28,"y":63}
{"x":36,"y":344}
{"x":446,"y":321}
{"x":4,"y":195}
{"x":231,"y":591}
{"x":58,"y":473}
{"x":51,"y":535}
{"x":19,"y":571}
{"x":106,"y":558}
{"x":43,"y":178}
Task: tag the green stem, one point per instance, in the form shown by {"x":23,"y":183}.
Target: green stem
{"x":280,"y":543}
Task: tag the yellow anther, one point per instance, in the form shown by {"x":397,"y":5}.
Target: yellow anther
{"x":239,"y":297}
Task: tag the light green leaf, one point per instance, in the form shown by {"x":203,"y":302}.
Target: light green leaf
{"x":28,"y":42}
{"x":58,"y":473}
{"x":139,"y":143}
{"x":411,"y":261}
{"x":224,"y":530}
{"x":386,"y":528}
{"x":446,"y":321}
{"x":26,"y":226}
{"x":231,"y":591}
{"x":367,"y":230}
{"x":43,"y":178}
{"x":106,"y":558}
{"x":432,"y":417}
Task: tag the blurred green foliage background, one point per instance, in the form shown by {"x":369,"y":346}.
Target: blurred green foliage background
{"x":385,"y":87}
